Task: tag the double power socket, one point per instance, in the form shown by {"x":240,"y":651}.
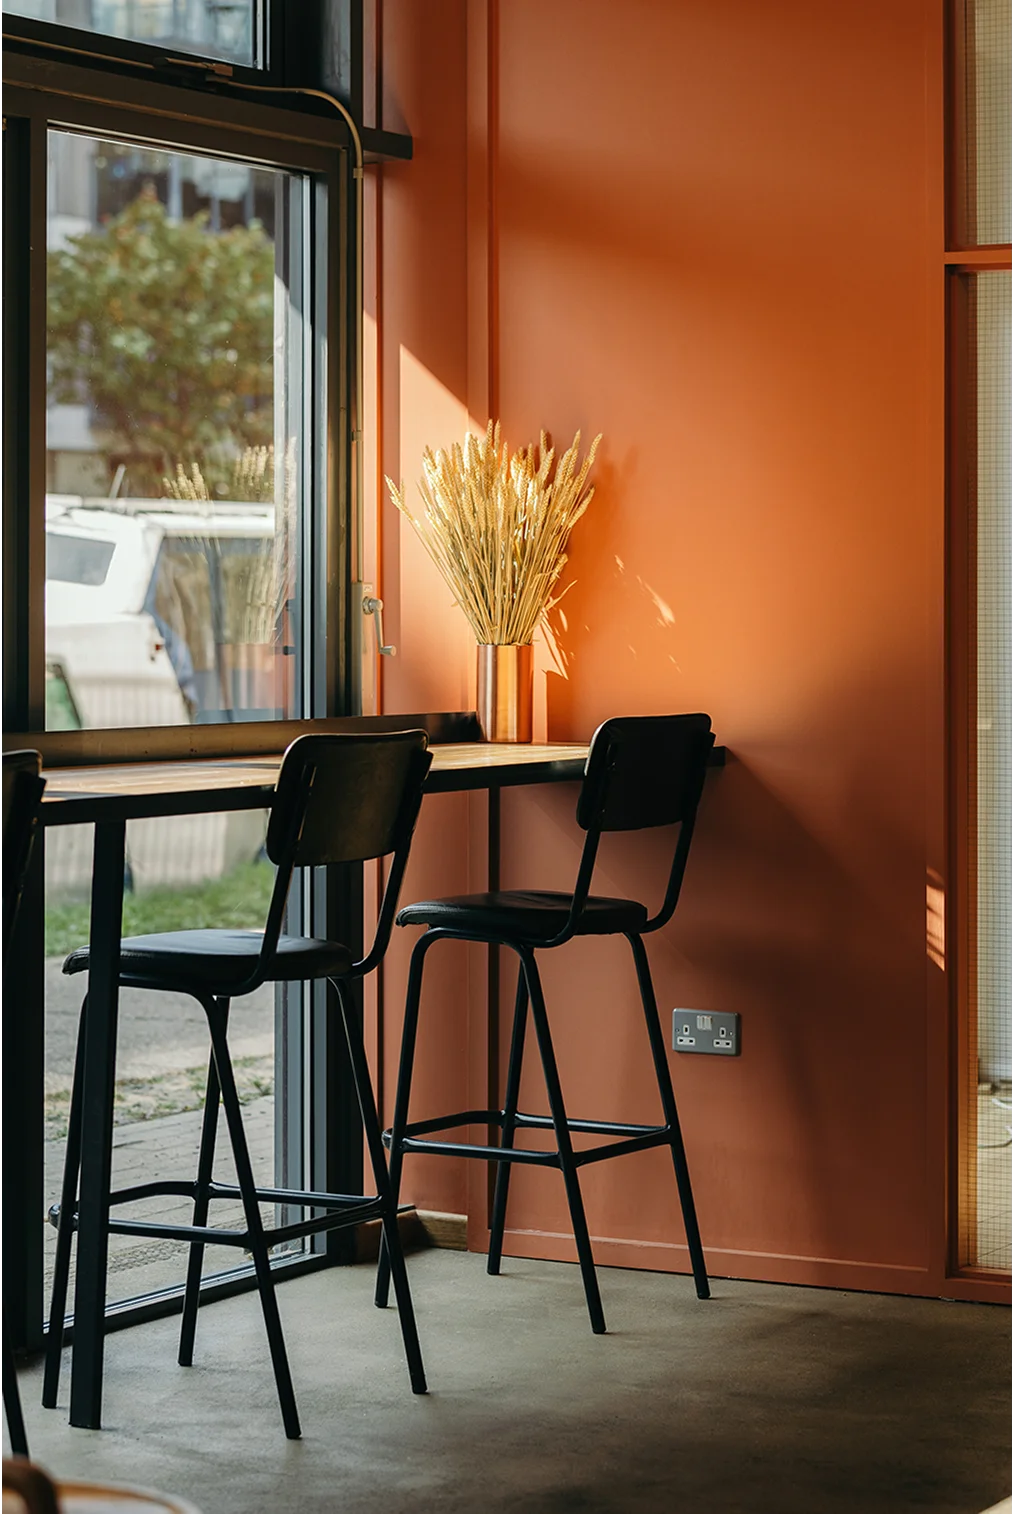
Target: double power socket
{"x":717,"y":1035}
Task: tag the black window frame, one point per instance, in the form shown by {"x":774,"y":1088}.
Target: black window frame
{"x":44,"y":91}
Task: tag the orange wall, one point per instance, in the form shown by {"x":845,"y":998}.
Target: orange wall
{"x":714,"y":234}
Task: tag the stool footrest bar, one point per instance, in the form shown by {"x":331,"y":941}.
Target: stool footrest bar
{"x":211,"y":1235}
{"x":451,"y":1122}
{"x":483,"y":1153}
{"x":594,"y":1127}
{"x":622,"y":1148}
{"x":633,"y":1137}
{"x":297,"y":1196}
{"x":305,"y":1197}
{"x":206,"y":1233}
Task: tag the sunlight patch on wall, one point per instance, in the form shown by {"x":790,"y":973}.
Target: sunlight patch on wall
{"x":935,"y":902}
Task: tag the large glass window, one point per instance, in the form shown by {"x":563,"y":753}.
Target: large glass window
{"x":223,"y":29}
{"x":173,"y":497}
{"x":174,"y":508}
{"x":180,"y":378}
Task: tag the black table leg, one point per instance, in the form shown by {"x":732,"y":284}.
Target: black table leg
{"x":97,"y":1125}
{"x":493,"y":958}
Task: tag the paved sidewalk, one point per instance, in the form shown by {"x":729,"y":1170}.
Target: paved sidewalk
{"x":158,"y":1033}
{"x":150,"y":1150}
{"x":162,"y":1056}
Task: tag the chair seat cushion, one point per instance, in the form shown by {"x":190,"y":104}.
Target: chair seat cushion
{"x":218,"y":959}
{"x":528,"y":914}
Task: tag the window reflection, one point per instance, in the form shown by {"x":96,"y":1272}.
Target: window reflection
{"x":221,"y":29}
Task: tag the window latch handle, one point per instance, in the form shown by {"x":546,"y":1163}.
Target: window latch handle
{"x":375,"y":607}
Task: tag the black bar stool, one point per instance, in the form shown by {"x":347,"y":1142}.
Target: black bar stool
{"x":642,"y":771}
{"x":23,"y":788}
{"x":338,"y":799}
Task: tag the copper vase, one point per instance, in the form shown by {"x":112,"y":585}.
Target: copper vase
{"x":504,"y":692}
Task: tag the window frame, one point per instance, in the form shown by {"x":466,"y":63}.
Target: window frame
{"x":41,"y":94}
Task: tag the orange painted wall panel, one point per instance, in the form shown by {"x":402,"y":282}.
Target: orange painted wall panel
{"x":713,"y":233}
{"x":417,"y":244}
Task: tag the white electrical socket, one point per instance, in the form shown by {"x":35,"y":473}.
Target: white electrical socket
{"x":716,"y":1035}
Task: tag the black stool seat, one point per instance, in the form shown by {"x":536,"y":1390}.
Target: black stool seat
{"x":532,"y":914}
{"x":221,"y":959}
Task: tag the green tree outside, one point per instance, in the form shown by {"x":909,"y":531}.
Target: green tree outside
{"x":167,"y":329}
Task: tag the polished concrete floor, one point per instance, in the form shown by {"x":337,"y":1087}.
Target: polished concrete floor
{"x":765,"y":1400}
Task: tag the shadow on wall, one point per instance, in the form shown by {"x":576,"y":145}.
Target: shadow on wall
{"x":643,"y":621}
{"x":788,"y":930}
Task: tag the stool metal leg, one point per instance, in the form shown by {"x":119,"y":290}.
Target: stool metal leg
{"x":65,"y":1229}
{"x":255,"y":1230}
{"x":510,"y":1109}
{"x":378,"y":1161}
{"x":205,"y":1164}
{"x":12,"y":1398}
{"x":665,"y":1089}
{"x":401,"y":1099}
{"x":563,"y":1141}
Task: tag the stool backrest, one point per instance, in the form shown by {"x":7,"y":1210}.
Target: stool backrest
{"x":642,"y":771}
{"x":346,"y":799}
{"x":23,"y":788}
{"x":356,"y":796}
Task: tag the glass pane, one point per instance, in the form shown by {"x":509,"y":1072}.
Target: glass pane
{"x":222,"y":29}
{"x":174,"y":493}
{"x":991,"y":1140}
{"x":987,"y":128}
{"x":207,"y":868}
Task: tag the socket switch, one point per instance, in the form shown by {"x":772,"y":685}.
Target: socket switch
{"x":715,"y":1034}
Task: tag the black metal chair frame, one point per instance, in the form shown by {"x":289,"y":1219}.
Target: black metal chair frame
{"x":293,"y":841}
{"x":603,"y":805}
{"x":23,"y":790}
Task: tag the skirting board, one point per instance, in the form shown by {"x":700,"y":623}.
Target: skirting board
{"x":426,"y":1227}
{"x":419,"y":1229}
{"x":448,"y":1231}
{"x":751,"y":1266}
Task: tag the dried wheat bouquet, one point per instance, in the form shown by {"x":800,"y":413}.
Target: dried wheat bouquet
{"x":496,"y":526}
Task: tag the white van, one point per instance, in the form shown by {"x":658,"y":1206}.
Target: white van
{"x":102,"y":644}
{"x":139,"y":629}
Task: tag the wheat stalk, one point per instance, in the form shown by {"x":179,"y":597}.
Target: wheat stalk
{"x":497,"y":525}
{"x":256,"y":586}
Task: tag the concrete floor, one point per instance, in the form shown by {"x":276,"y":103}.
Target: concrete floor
{"x":766,"y":1400}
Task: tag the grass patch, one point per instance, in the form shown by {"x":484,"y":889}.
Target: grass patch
{"x":237,"y":901}
{"x":165,"y":1094}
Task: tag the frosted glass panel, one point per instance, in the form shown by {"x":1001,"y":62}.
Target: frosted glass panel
{"x":992,"y":418}
{"x":987,"y":128}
